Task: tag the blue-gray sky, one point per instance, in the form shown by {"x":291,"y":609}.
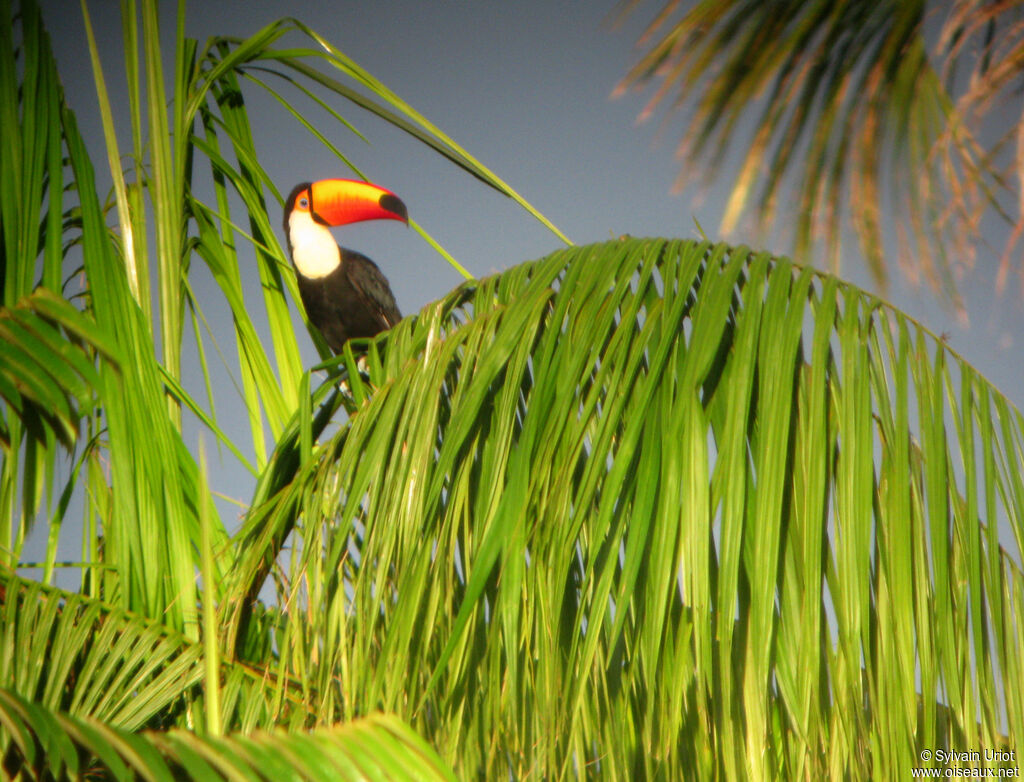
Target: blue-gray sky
{"x":524,"y":87}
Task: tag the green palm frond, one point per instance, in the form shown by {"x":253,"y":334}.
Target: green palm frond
{"x":74,"y":654}
{"x":78,"y":655}
{"x":651,"y":506}
{"x":31,"y":227}
{"x":844,"y":105}
{"x":48,"y":744}
{"x":69,"y":653}
{"x":46,"y":370}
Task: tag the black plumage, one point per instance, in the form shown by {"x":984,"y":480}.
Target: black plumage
{"x":354,"y":300}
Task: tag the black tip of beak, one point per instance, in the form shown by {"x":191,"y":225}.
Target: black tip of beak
{"x":394,"y":205}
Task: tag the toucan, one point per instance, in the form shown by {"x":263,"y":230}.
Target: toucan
{"x":344,"y":293}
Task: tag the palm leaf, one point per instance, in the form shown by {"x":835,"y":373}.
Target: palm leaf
{"x":31,"y":212}
{"x":74,"y":654}
{"x":647,"y":507}
{"x":44,"y":368}
{"x":69,"y":653}
{"x":51,"y":744}
{"x":844,"y":106}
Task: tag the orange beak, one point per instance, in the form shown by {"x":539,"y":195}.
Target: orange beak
{"x":343,"y":201}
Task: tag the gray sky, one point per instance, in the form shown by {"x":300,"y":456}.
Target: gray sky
{"x":524,"y":87}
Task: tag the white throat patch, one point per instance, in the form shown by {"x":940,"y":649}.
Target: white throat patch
{"x":314,"y":250}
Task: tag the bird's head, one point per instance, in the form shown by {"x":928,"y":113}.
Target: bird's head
{"x":312,"y":207}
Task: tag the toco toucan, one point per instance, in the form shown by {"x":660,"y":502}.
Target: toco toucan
{"x":344,"y":293}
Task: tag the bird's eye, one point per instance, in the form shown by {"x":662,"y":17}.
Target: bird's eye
{"x":304,"y":202}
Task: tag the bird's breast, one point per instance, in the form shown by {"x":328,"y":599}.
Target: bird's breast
{"x":314,"y":251}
